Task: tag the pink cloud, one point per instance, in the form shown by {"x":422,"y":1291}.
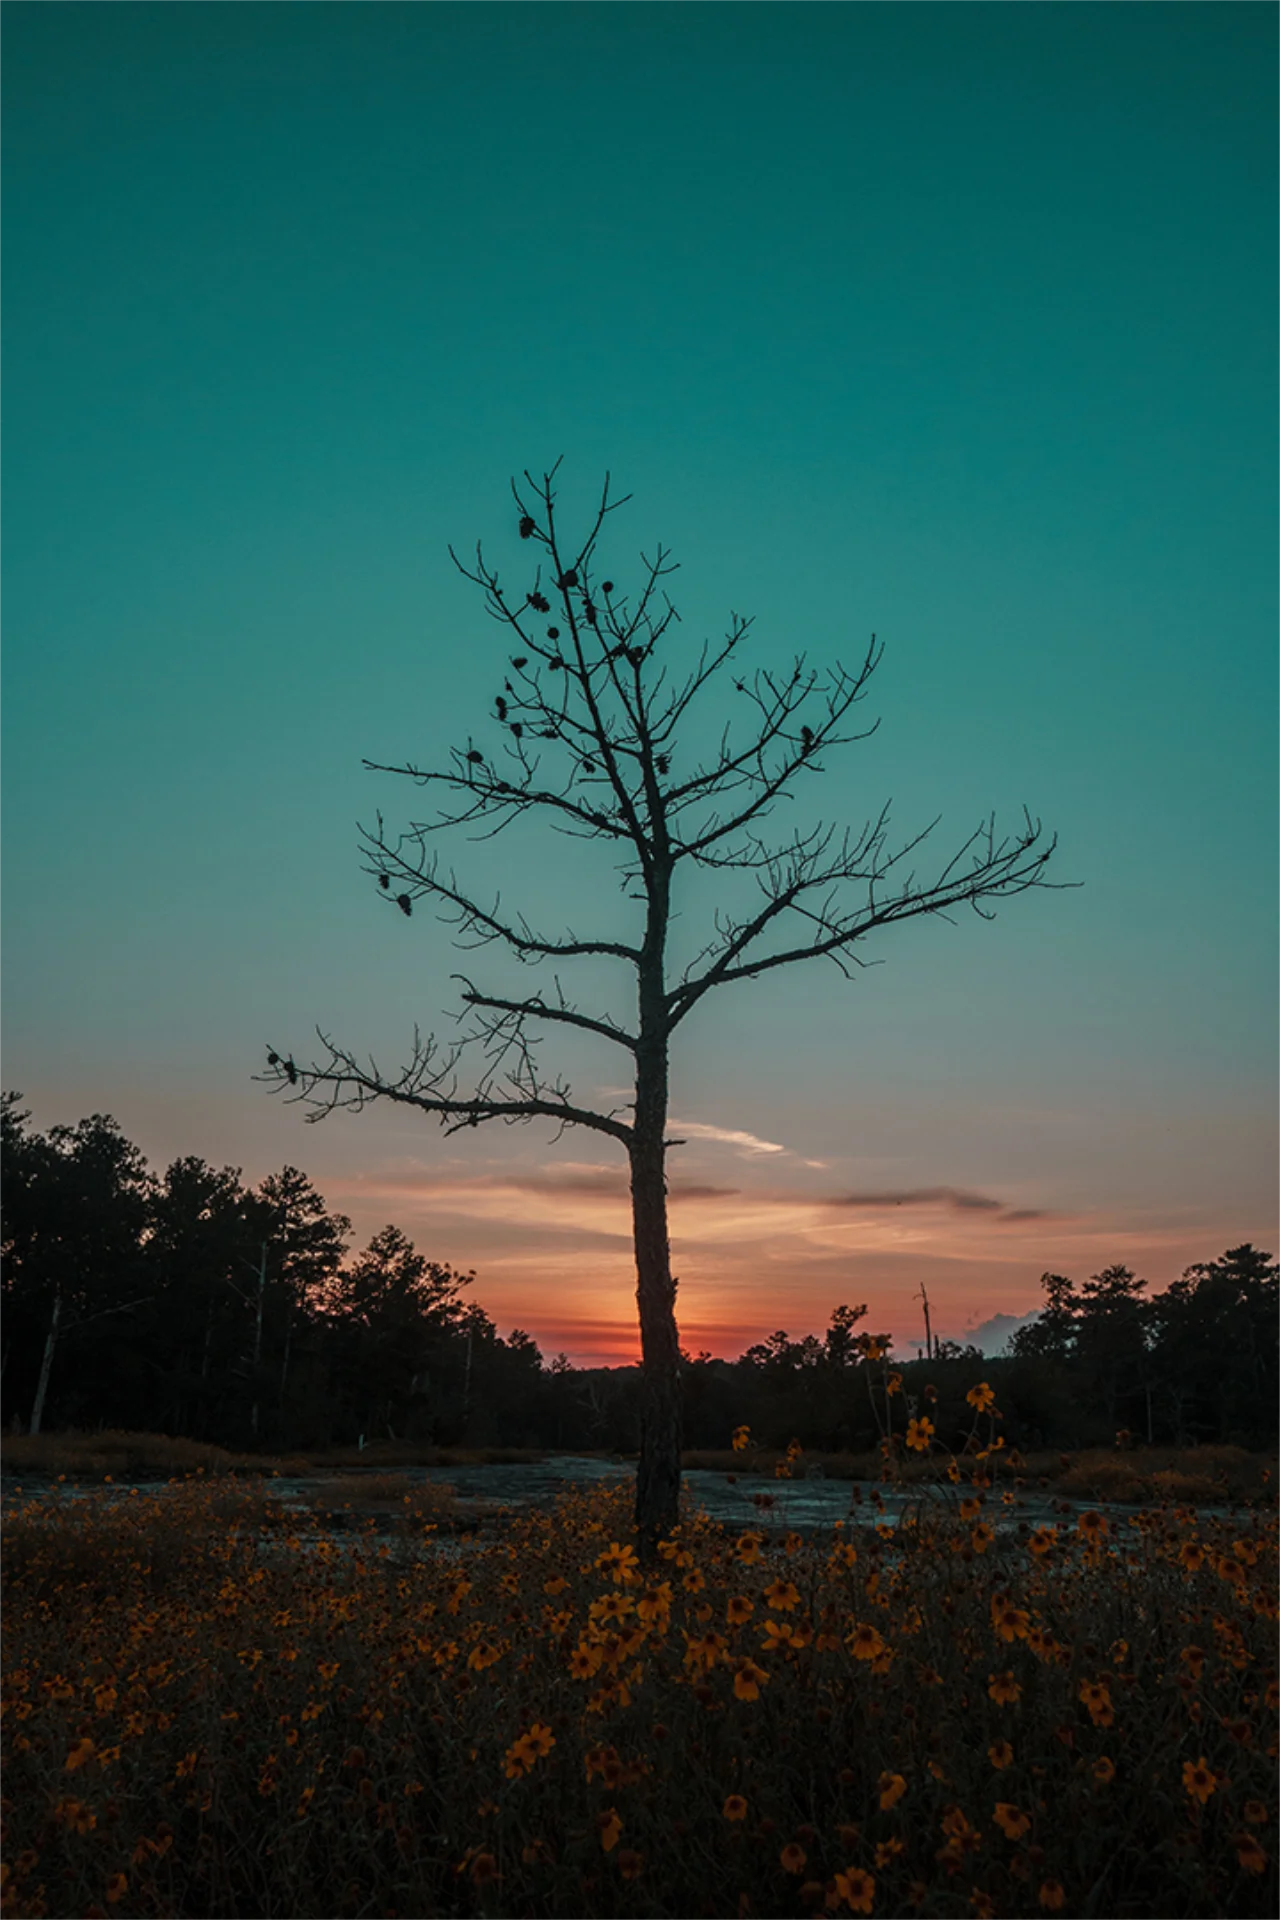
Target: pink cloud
{"x":552,"y":1252}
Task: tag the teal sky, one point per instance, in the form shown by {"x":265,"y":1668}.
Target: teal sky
{"x":955,"y":323}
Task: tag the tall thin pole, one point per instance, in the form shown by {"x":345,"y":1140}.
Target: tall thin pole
{"x":928,"y":1336}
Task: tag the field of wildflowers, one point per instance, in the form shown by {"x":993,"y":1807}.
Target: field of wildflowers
{"x":211,"y":1708}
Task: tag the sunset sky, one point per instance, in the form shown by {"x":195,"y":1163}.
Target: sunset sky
{"x":951,"y":323}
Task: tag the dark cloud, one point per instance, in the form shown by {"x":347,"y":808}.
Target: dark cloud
{"x":955,"y":1197}
{"x":589,"y":1182}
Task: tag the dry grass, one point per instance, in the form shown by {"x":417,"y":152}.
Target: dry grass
{"x":157,"y":1456}
{"x":1195,"y":1476}
{"x":122,"y":1456}
{"x":410,"y":1503}
{"x":767,"y":1460}
{"x":390,"y":1454}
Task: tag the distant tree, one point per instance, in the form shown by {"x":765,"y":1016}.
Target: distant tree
{"x":1051,"y":1335}
{"x":590,"y":716}
{"x":1111,"y":1346}
{"x":1215,"y":1337}
{"x":298,"y":1246}
{"x":390,"y":1314}
{"x":840,"y":1340}
{"x":198,"y":1245}
{"x":76,"y":1207}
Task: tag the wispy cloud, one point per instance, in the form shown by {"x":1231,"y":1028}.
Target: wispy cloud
{"x":958,"y":1199}
{"x":727,"y":1136}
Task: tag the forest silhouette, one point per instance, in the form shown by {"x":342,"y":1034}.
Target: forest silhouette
{"x":189,"y":1303}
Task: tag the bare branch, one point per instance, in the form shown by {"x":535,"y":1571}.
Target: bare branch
{"x":430,"y":1083}
{"x":538,"y":1009}
{"x":996,"y":871}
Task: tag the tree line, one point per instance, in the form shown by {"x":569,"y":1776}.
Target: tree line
{"x":190,"y":1303}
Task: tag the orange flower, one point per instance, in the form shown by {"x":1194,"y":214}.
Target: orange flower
{"x":864,"y":1642}
{"x":1192,"y":1556}
{"x":1004,"y":1689}
{"x":735,"y":1807}
{"x":741,"y":1439}
{"x":857,"y":1889}
{"x":981,"y":1397}
{"x":629,"y":1863}
{"x":621,"y":1562}
{"x":1011,"y":1820}
{"x":739,"y":1609}
{"x":888,"y":1850}
{"x":117,"y":1887}
{"x":793,"y":1858}
{"x":610,"y":1827}
{"x":782,"y":1596}
{"x":523,"y":1752}
{"x":1092,"y":1526}
{"x":654,"y":1603}
{"x":1051,"y":1895}
{"x":1251,"y":1856}
{"x":1095,"y":1696}
{"x":1193,"y":1660}
{"x":1198,"y":1779}
{"x":747,"y":1548}
{"x":919,"y":1433}
{"x":1042,"y":1541}
{"x":1000,"y":1755}
{"x":748,"y":1678}
{"x":892,"y":1787}
{"x":781,"y":1633}
{"x":1255,"y":1813}
{"x":74,"y":1814}
{"x":82,"y":1751}
{"x":1104,"y":1770}
{"x":1010,"y":1622}
{"x":982,"y":1537}
{"x":483,"y":1869}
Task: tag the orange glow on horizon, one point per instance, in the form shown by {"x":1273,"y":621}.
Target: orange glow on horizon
{"x":552,"y":1253}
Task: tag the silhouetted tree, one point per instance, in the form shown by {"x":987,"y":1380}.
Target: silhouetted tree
{"x":1051,"y":1335}
{"x":390,"y":1313}
{"x":589,"y":723}
{"x":298,"y":1248}
{"x":76,"y":1205}
{"x":200,"y":1243}
{"x":1216,"y":1332}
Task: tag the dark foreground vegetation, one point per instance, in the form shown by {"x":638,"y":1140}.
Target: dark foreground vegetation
{"x":213,"y":1706}
{"x":193,"y":1306}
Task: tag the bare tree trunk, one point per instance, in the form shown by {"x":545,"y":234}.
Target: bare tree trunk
{"x":284,"y":1365}
{"x":658,"y":1474}
{"x":46,"y":1364}
{"x":257,"y":1336}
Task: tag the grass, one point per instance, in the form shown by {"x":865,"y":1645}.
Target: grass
{"x":122,"y":1456}
{"x":920,"y":1720}
{"x":1141,"y":1476}
{"x":157,"y":1456}
{"x":391,"y":1497}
